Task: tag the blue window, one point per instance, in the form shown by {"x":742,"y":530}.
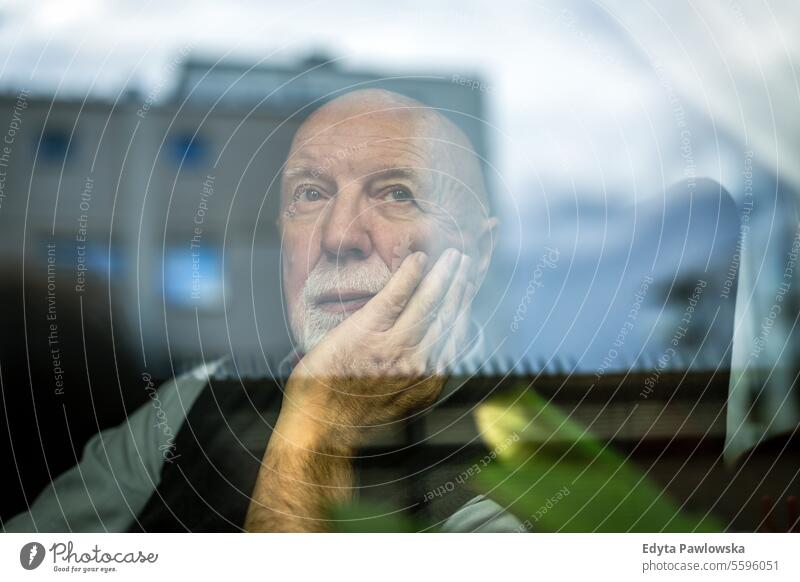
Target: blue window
{"x":193,"y":276}
{"x":54,"y":146}
{"x":189,"y":150}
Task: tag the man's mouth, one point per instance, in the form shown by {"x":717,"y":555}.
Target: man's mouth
{"x":344,"y":301}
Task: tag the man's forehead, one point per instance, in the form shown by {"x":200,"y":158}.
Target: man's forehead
{"x":356,"y":133}
{"x":343,"y":152}
{"x":353,"y":116}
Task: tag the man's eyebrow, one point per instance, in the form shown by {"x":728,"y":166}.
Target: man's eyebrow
{"x":319,"y":173}
{"x":394,"y":173}
{"x":305,"y":172}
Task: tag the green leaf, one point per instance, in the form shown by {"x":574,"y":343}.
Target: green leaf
{"x":555,"y":476}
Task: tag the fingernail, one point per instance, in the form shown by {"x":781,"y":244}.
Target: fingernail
{"x":421,"y":258}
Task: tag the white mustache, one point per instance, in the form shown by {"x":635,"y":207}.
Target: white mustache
{"x":367,"y":278}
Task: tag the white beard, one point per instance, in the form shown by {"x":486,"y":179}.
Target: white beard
{"x":309,"y":323}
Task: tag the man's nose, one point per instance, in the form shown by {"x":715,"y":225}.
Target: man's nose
{"x":345,"y":230}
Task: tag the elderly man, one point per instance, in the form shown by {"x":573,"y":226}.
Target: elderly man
{"x":386,"y":237}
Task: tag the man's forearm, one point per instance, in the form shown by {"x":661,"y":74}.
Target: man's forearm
{"x":303,"y":473}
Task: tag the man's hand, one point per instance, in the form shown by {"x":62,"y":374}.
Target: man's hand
{"x":385,"y":361}
{"x":388,"y":358}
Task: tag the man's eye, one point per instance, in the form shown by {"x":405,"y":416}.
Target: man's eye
{"x":401,"y":195}
{"x":308,"y":193}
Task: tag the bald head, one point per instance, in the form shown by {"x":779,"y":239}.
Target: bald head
{"x":372,"y":106}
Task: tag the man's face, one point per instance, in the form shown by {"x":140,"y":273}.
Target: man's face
{"x":358,"y":195}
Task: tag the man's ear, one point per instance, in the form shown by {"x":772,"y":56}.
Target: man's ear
{"x":485,"y":242}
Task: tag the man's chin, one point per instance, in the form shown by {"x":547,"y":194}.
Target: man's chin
{"x":319,"y":323}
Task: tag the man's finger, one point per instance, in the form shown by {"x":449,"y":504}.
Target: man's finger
{"x":446,"y":315}
{"x":416,"y":316}
{"x":456,"y":343}
{"x":384,"y":309}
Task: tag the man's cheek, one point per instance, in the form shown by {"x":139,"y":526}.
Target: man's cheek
{"x":435,"y":245}
{"x":301,"y":251}
{"x":295,"y":274}
{"x":426,"y":236}
{"x":406,"y":243}
{"x":403,"y":246}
